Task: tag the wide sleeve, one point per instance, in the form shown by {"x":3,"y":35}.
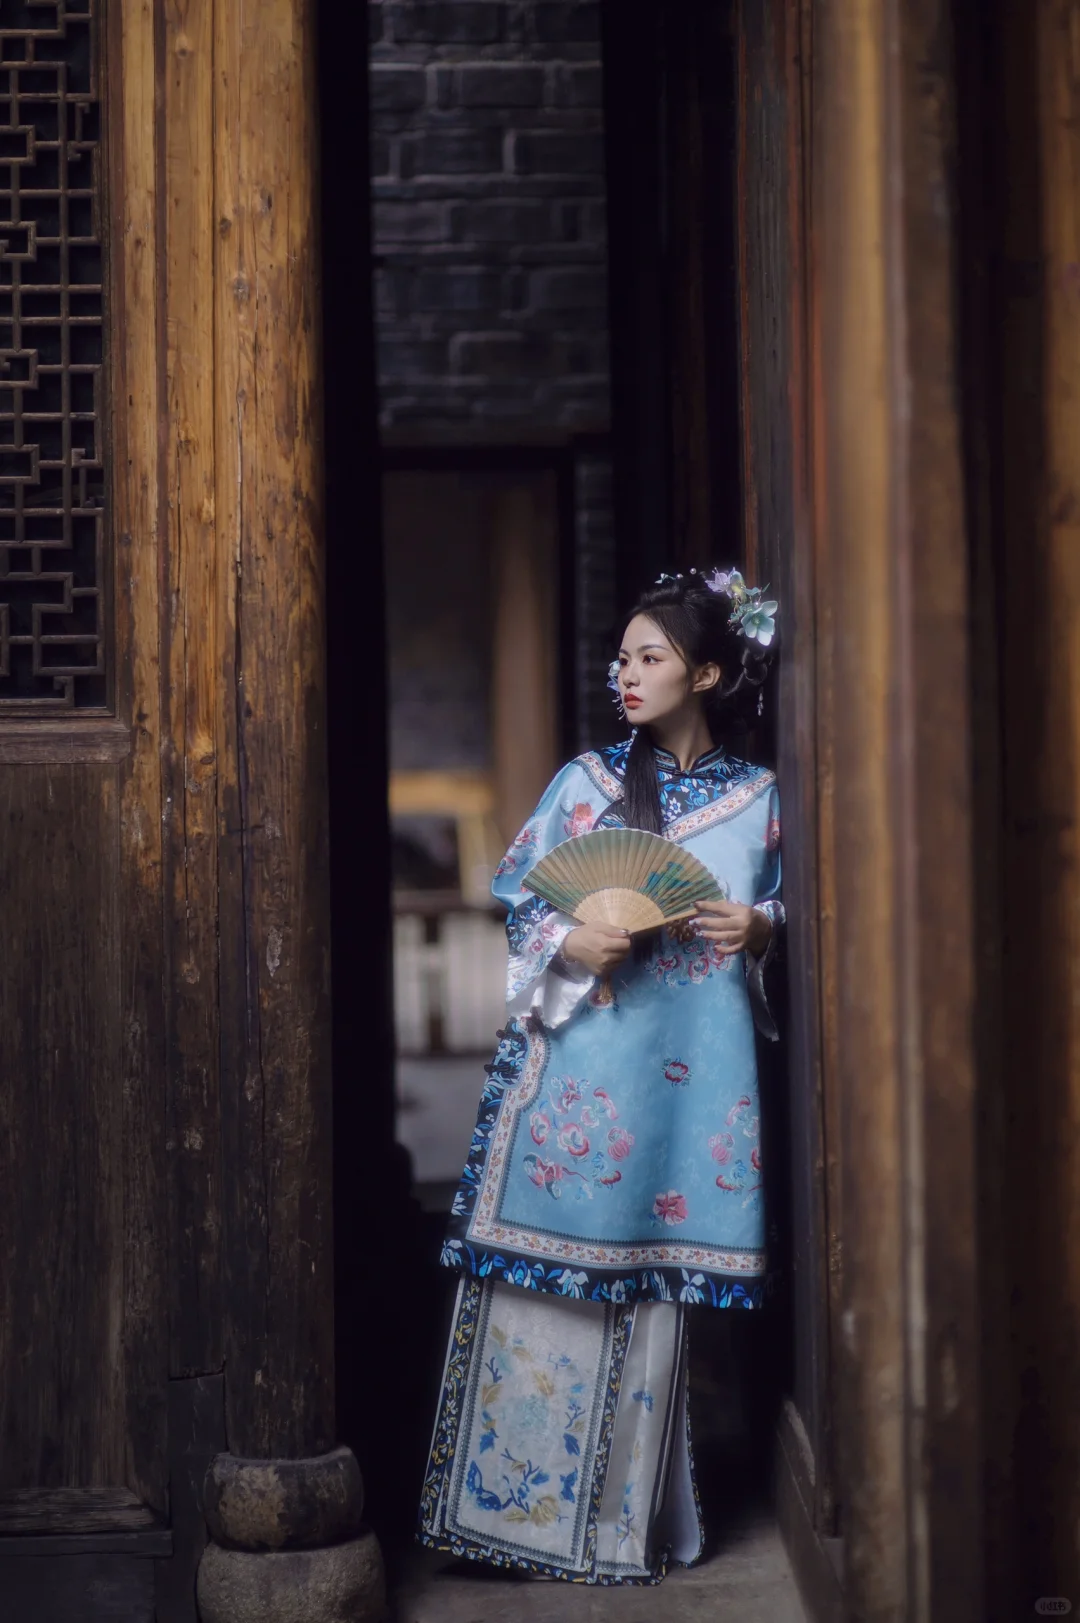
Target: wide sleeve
{"x":767,"y":901}
{"x":539,"y":980}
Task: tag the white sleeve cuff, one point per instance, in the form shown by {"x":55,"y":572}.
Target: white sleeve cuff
{"x":552,"y":992}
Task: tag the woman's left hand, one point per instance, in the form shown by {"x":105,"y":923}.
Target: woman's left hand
{"x":733,"y":927}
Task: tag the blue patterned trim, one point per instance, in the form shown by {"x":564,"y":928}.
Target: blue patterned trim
{"x":524,"y":919}
{"x":466,"y":1549}
{"x":620,"y":1340}
{"x":690,"y":802}
{"x":444,"y":1443}
{"x":711,"y":779}
{"x":503,"y":1072}
{"x":695,"y":819}
{"x":659,"y":1283}
{"x":432,"y":1531}
{"x":690,"y":1455}
{"x":600,"y":774}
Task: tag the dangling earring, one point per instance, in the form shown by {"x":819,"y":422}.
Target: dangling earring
{"x":613,"y":684}
{"x":761,"y":701}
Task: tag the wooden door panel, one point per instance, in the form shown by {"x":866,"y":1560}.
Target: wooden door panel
{"x":119,"y":1588}
{"x":82,"y":1172}
{"x":164,"y":977}
{"x":61,"y":1150}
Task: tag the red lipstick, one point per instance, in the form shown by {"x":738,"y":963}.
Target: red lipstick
{"x":632,"y":701}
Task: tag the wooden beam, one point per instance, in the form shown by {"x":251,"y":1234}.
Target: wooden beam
{"x":243,"y":793}
{"x":1033,"y":1229}
{"x":855,"y":371}
{"x":895,"y":513}
{"x":776,"y":317}
{"x":138,"y":367}
{"x":272,"y":828}
{"x":931,"y":766}
{"x":1048,"y":563}
{"x":191,"y":693}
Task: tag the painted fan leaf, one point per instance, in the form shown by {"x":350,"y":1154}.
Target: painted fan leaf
{"x":622,"y":876}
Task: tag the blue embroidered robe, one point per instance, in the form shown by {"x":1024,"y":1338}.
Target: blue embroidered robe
{"x":617,"y":1155}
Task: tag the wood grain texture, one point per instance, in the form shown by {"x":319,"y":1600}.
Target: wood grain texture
{"x":61,"y":1149}
{"x":813,"y":1555}
{"x":52,"y":742}
{"x":74,"y":1510}
{"x":1052,"y":844}
{"x":830,"y":1009}
{"x":931,"y":767}
{"x":138,"y":361}
{"x":895,"y":514}
{"x":193,"y":695}
{"x":81,"y":1348}
{"x":138,"y":850}
{"x":272,"y":831}
{"x":774,"y":243}
{"x":856,"y":372}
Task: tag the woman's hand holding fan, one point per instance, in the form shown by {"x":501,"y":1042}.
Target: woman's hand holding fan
{"x":600,"y":947}
{"x":734,"y":927}
{"x":616,"y":881}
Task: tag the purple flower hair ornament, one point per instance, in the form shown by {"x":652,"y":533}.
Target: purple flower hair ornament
{"x":753,"y":616}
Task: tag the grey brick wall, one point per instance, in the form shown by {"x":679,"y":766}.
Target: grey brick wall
{"x":487,"y":157}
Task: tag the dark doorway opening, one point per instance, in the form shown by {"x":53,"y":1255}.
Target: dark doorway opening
{"x":665,"y":460}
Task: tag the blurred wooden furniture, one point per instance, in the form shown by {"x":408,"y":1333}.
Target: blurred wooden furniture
{"x":468,"y":798}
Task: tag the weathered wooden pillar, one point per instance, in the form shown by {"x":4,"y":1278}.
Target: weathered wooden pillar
{"x":245,"y":811}
{"x":893,"y":510}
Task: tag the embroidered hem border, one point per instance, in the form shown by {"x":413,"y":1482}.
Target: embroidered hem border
{"x":658,"y":1284}
{"x":444,"y":1449}
{"x":627,"y":1271}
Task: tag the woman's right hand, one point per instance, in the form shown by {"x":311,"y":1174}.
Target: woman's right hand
{"x":600,"y":947}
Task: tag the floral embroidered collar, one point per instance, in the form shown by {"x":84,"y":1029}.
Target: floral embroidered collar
{"x":706,"y":764}
{"x":715,"y":763}
{"x":711,"y":777}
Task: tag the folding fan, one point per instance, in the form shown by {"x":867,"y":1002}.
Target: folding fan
{"x":622,"y":876}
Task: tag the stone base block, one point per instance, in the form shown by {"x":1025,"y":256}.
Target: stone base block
{"x":343,"y":1583}
{"x":283,"y":1504}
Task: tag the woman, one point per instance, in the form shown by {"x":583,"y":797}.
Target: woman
{"x":615,"y":1170}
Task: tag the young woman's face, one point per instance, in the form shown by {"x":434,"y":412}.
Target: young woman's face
{"x":653,"y":677}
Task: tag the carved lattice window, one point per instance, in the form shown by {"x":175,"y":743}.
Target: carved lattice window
{"x":52,"y":477}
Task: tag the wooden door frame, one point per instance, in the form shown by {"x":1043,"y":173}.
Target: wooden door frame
{"x":892,"y":537}
{"x":775,"y":249}
{"x":879,"y":778}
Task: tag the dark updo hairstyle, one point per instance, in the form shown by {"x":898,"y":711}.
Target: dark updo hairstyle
{"x":695,"y":621}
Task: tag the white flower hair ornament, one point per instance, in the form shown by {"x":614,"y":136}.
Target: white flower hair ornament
{"x":752,"y":615}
